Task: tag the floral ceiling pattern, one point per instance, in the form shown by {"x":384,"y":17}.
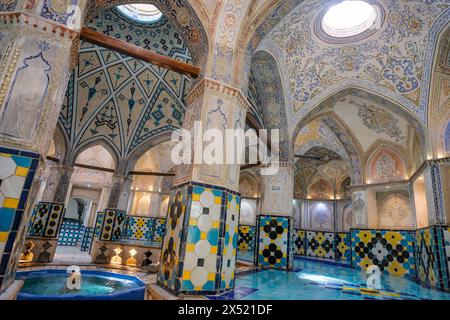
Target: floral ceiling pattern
{"x":391,"y":61}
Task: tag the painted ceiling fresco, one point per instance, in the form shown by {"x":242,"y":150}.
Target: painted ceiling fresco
{"x":391,"y":61}
{"x":122,"y":100}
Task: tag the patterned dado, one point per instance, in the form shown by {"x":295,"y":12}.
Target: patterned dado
{"x":120,"y":99}
{"x":113,"y":226}
{"x":391,"y":250}
{"x":432,"y":256}
{"x":199,"y":248}
{"x":246,"y":238}
{"x":17,"y":169}
{"x":145,"y":228}
{"x":320,"y":244}
{"x":46,"y":219}
{"x":274,"y":242}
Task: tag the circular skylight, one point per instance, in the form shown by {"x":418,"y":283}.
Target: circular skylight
{"x":349,"y":18}
{"x":141,"y":12}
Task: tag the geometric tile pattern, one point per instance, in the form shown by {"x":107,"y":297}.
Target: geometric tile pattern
{"x":343,"y":243}
{"x":17,"y":169}
{"x":200,"y":243}
{"x":299,"y":242}
{"x":201,"y":259}
{"x":86,"y":241}
{"x":140,"y":228}
{"x":113,"y":227}
{"x":274,"y":242}
{"x":320,"y":244}
{"x":71,"y":233}
{"x":230,"y":241}
{"x":246,"y":239}
{"x":159,"y":229}
{"x":46,"y":219}
{"x":391,"y":250}
{"x":170,"y":252}
{"x":99,"y":223}
{"x":431,"y":254}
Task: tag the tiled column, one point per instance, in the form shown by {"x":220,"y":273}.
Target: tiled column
{"x":275,"y":221}
{"x":435,"y":196}
{"x":199,"y":247}
{"x":35,"y":56}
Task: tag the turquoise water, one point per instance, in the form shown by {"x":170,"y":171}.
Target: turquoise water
{"x":55,"y":284}
{"x":312,"y":280}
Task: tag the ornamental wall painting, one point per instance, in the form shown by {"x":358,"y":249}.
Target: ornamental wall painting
{"x":386,"y":165}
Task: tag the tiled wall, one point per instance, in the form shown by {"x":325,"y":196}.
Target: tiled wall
{"x":145,"y":228}
{"x":17,"y":169}
{"x":113,"y":226}
{"x":71,"y":233}
{"x":432,"y":256}
{"x":274,"y":242}
{"x":46,"y":220}
{"x":318,"y":244}
{"x":391,"y":250}
{"x":246,"y":238}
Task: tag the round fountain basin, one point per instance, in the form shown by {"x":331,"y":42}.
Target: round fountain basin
{"x":95,"y":285}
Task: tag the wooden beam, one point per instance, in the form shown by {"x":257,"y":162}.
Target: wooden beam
{"x":134,"y":51}
{"x":86,"y":166}
{"x":148,"y":173}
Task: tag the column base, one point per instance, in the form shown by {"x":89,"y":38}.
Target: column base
{"x":12,"y":291}
{"x":274,"y":245}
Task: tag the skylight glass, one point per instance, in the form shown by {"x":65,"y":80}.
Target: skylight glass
{"x":141,"y":12}
{"x":349,"y":18}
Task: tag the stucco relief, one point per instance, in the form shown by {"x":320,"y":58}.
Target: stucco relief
{"x":359,"y":205}
{"x":394,"y":210}
{"x":321,"y":216}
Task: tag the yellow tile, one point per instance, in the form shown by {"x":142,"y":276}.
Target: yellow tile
{"x":349,"y":289}
{"x":217,"y":200}
{"x":5,"y":155}
{"x":11,"y":203}
{"x":211,"y":276}
{"x":4,"y":236}
{"x":192,"y":222}
{"x":21,"y":171}
{"x":203,"y":236}
{"x":214,"y":250}
{"x":195,"y":197}
{"x":190,"y":247}
{"x":216,"y":224}
{"x":186,"y":275}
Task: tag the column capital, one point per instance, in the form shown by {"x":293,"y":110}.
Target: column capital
{"x":214,"y":85}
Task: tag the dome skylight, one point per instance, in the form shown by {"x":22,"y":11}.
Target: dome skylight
{"x":349,"y":18}
{"x":141,"y":12}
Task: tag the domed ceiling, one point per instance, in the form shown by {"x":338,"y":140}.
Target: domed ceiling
{"x":119,"y":99}
{"x":393,"y":60}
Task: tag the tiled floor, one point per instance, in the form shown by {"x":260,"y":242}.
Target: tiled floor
{"x":314,"y":280}
{"x":66,"y":254}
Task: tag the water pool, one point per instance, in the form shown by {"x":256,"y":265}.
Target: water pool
{"x":314,"y":280}
{"x":96,"y":285}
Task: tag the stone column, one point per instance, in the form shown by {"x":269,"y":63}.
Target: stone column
{"x":57,"y":185}
{"x":275,"y":222}
{"x":155,"y":204}
{"x":35,"y":57}
{"x":120,"y":192}
{"x":199,"y":247}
